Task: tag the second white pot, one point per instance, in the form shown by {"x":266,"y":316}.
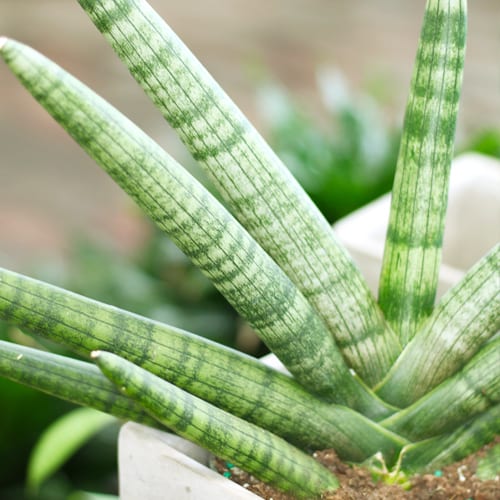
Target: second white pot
{"x":472,"y":223}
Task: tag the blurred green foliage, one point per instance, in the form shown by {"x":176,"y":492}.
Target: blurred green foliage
{"x":486,"y":142}
{"x":60,"y":440}
{"x":345,"y":158}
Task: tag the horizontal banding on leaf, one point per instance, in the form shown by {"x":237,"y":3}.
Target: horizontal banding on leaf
{"x":256,"y":185}
{"x":259,"y":452}
{"x":273,"y":400}
{"x":197,"y":222}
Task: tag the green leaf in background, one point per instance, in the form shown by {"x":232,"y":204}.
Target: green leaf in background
{"x":486,"y":142}
{"x":87,"y":495}
{"x":61,"y":440}
{"x":342,"y":164}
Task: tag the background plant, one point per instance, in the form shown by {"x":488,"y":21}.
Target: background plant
{"x":344,"y":160}
{"x":266,"y":295}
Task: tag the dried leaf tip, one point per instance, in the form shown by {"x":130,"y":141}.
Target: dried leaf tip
{"x":3,"y":41}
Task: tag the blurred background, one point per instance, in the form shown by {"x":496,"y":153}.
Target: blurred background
{"x":325,"y":81}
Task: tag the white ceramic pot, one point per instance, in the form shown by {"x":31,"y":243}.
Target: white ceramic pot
{"x":155,"y":465}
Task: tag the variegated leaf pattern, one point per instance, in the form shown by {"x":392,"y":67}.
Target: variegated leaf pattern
{"x":281,"y":268}
{"x":442,"y":450}
{"x":265,"y":455}
{"x":195,"y":220}
{"x":473,"y":390}
{"x":257,"y":186}
{"x":215,"y":373}
{"x":69,"y":379}
{"x":412,"y":254}
{"x":467,"y":316}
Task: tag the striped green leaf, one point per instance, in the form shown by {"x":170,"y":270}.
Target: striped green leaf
{"x":259,"y":189}
{"x":413,"y":246}
{"x":69,"y":379}
{"x":471,"y":391}
{"x":433,"y":453}
{"x":255,"y":450}
{"x":215,"y":373}
{"x":466,"y":317}
{"x":195,"y":220}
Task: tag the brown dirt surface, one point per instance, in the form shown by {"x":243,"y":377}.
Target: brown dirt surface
{"x":453,"y":482}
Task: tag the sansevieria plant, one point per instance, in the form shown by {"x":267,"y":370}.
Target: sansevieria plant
{"x":400,"y":376}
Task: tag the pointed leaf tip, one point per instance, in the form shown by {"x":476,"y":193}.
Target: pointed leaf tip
{"x":93,"y":354}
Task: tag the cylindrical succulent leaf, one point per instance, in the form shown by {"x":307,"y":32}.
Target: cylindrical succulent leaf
{"x":259,"y":189}
{"x":69,"y":379}
{"x":471,"y":391}
{"x":198,"y":224}
{"x":463,"y":321}
{"x":442,"y":450}
{"x":215,"y":373}
{"x":255,"y":450}
{"x":412,"y":254}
